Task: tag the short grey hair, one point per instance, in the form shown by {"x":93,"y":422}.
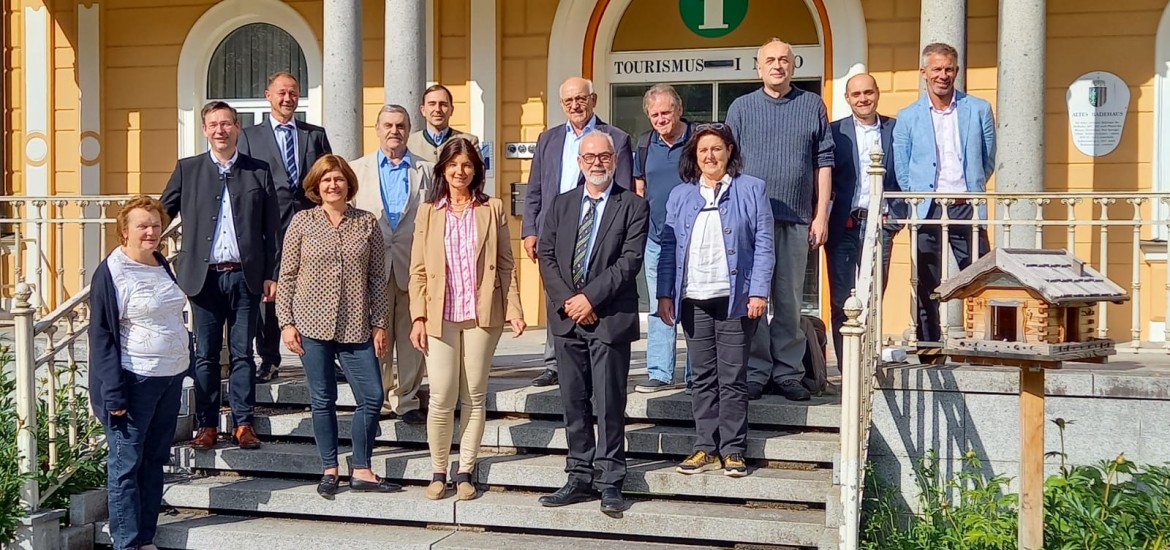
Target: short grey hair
{"x":940,"y":48}
{"x":608,"y":138}
{"x":661,"y":89}
{"x":394,"y":108}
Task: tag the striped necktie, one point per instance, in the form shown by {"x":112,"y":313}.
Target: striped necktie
{"x":584,"y":233}
{"x":290,"y":154}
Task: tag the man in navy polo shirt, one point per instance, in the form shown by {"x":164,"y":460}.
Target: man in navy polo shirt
{"x":655,"y":174}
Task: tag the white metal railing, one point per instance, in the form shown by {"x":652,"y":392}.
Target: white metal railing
{"x":1116,"y":232}
{"x":42,"y":237}
{"x":51,"y":360}
{"x":862,"y":351}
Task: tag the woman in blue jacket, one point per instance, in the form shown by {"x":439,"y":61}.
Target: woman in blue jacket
{"x":139,"y":353}
{"x":714,"y":276}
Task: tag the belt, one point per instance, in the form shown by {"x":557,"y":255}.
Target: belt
{"x":225,"y":266}
{"x":860,"y":213}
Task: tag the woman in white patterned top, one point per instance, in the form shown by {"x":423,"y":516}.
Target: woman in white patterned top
{"x":139,"y":353}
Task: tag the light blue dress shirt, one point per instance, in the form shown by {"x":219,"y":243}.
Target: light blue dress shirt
{"x":439,"y":137}
{"x":596,"y":221}
{"x":225,"y":248}
{"x":395,"y":183}
{"x":570,"y":172}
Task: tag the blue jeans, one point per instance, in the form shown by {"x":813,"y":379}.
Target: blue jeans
{"x":140,"y":444}
{"x":365,"y":379}
{"x":225,"y":299}
{"x":660,"y":337}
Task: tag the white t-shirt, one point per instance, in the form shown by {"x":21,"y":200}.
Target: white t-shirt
{"x":151,"y":331}
{"x":706,"y":275}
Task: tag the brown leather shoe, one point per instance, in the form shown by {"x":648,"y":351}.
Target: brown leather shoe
{"x":205,"y":438}
{"x":246,"y":437}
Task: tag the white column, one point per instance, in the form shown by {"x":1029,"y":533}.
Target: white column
{"x":89,"y":72}
{"x":405,"y":58}
{"x":342,"y":100}
{"x":946,"y":22}
{"x":483,"y":82}
{"x":38,"y":163}
{"x":1019,"y":163}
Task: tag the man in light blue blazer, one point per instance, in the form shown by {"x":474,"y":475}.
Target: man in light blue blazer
{"x":943,"y":143}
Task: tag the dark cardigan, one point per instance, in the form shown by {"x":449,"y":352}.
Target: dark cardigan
{"x":107,"y":390}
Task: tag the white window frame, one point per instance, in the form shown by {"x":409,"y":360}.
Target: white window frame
{"x":206,"y":35}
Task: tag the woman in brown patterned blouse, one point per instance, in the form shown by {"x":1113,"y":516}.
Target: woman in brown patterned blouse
{"x":331,"y":304}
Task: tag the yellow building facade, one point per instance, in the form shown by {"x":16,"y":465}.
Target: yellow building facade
{"x":101,"y":97}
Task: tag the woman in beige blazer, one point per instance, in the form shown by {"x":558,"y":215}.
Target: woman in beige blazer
{"x":463,"y":287}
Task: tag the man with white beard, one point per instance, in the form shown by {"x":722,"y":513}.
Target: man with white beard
{"x":590,"y":252}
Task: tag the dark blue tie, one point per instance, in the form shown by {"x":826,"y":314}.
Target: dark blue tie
{"x":290,"y":154}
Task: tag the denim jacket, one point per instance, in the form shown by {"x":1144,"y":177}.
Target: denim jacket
{"x":748,"y":226}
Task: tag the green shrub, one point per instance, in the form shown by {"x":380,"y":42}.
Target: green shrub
{"x":86,"y":460}
{"x":1112,"y":505}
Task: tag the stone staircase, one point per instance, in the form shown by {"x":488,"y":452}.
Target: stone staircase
{"x":232,"y":498}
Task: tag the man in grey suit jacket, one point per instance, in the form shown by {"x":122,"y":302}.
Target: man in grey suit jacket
{"x":854,"y":137}
{"x":290,"y":147}
{"x":555,"y":171}
{"x":391,"y":184}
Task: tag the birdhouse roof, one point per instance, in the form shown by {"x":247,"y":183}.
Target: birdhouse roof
{"x":1058,"y":277}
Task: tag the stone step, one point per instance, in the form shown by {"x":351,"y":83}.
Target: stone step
{"x":651,"y":519}
{"x":513,"y":395}
{"x":193,"y":530}
{"x":644,"y":438}
{"x":520,"y":471}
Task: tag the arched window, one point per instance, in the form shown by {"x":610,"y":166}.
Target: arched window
{"x":242,"y":63}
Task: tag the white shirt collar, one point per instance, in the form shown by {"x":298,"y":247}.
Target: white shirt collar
{"x":231,"y":162}
{"x":950,"y":108}
{"x":276,"y":125}
{"x":604,"y":194}
{"x":857,"y":122}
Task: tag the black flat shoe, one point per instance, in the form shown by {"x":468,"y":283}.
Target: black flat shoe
{"x":328,"y":486}
{"x":378,"y":486}
{"x":612,"y":503}
{"x":547,"y":378}
{"x":571,"y":493}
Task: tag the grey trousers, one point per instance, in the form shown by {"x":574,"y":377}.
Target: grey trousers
{"x":777,"y":348}
{"x":550,"y":356}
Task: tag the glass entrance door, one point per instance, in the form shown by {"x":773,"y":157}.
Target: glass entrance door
{"x":705,"y":102}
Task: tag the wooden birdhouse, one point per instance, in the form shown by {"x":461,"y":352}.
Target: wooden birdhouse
{"x":1030,"y":305}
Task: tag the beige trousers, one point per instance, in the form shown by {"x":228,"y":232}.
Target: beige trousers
{"x":401,"y":379}
{"x":458,"y":367}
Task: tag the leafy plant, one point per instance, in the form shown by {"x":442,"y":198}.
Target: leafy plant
{"x":1112,"y":505}
{"x":79,"y":467}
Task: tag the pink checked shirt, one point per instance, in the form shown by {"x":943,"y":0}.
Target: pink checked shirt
{"x":459,"y":243}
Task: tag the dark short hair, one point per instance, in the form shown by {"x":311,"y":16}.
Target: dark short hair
{"x":437,"y":88}
{"x":450,"y":150}
{"x":688,"y":165}
{"x":282,"y":74}
{"x":324,"y":165}
{"x":141,"y":202}
{"x":213,"y":106}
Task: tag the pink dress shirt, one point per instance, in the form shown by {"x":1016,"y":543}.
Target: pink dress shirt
{"x":459,"y":243}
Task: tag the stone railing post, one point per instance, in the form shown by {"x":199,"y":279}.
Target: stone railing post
{"x":851,"y":429}
{"x":24,"y":352}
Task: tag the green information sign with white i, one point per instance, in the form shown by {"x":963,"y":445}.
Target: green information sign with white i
{"x":712,"y":18}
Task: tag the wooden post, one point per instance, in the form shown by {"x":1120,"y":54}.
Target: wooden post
{"x":1031,"y":536}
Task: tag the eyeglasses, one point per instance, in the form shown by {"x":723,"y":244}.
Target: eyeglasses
{"x":590,"y":158}
{"x":581,"y":99}
{"x":717,"y":126}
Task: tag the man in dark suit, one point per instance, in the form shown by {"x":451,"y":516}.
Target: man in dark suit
{"x":854,"y":137}
{"x":590,"y":254}
{"x":290,"y":147}
{"x":555,"y":171}
{"x":228,"y":262}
